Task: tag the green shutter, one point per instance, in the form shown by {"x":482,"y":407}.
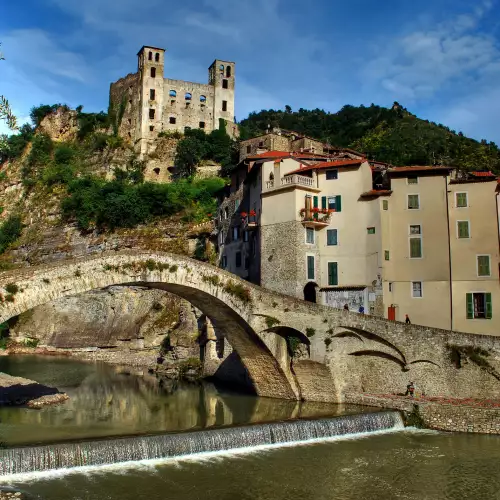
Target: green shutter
{"x":315,"y":205}
{"x":470,"y":306}
{"x":333,"y":278}
{"x":489,"y":309}
{"x":310,"y":267}
{"x":463,"y":229}
{"x":483,"y":265}
{"x":415,"y":248}
{"x":323,"y":202}
{"x":331,"y":237}
{"x":338,"y":204}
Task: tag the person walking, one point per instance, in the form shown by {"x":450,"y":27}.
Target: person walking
{"x":346,"y":307}
{"x":407,"y":320}
{"x":410,"y":389}
{"x":361,"y":310}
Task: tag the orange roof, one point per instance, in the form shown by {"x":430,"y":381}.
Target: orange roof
{"x":328,"y":164}
{"x":483,"y":174}
{"x":418,"y":169}
{"x":376,"y":192}
{"x":285,"y":154}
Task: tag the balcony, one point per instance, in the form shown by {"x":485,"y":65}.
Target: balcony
{"x":292,"y":181}
{"x":317,"y":218}
{"x":249,"y":221}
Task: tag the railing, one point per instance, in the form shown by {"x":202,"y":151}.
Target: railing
{"x":290,"y":181}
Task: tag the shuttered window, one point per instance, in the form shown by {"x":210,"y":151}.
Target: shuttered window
{"x":309,"y":235}
{"x":385,"y":204}
{"x":483,"y":265}
{"x":415,"y":248}
{"x":333,"y":278}
{"x":413,"y":202}
{"x":461,"y":199}
{"x":386,"y":254}
{"x":463,"y":229}
{"x":310,"y":267}
{"x":479,"y":306}
{"x":331,"y":237}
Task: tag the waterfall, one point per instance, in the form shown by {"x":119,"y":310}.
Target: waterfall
{"x":92,"y":453}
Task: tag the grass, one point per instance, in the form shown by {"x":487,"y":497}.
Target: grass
{"x":238,"y":290}
{"x":270,"y":321}
{"x":310,"y":332}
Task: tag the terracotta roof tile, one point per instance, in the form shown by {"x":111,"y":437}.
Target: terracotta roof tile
{"x":285,"y":154}
{"x":483,"y":174}
{"x":418,"y":169}
{"x":376,"y":192}
{"x":328,"y":164}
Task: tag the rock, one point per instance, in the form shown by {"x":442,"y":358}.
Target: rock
{"x":20,"y":391}
{"x":62,"y":125}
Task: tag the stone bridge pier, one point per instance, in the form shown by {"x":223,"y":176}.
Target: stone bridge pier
{"x":288,"y":348}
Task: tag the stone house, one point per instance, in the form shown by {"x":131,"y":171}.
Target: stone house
{"x":147,"y":103}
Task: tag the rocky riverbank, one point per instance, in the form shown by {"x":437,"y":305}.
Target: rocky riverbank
{"x":18,"y":391}
{"x":11,"y":495}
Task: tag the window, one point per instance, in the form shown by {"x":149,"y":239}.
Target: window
{"x":236,"y":233}
{"x":224,"y":262}
{"x":310,"y":235}
{"x":332,"y":203}
{"x":463,"y":229}
{"x":225,"y":84}
{"x":151,"y":114}
{"x":415,"y":248}
{"x":221,"y":67}
{"x":226,"y":213}
{"x":479,"y":306}
{"x":386,"y":254}
{"x":187,"y":96}
{"x":153,"y":72}
{"x":245,"y":236}
{"x":203,"y":98}
{"x":332,"y":175}
{"x":461,"y":200}
{"x":371,"y":230}
{"x":150,"y":56}
{"x":157,"y":57}
{"x":247,"y":262}
{"x":413,"y":202}
{"x":249,"y":149}
{"x":172,"y":120}
{"x":391,"y":286}
{"x":310,"y":267}
{"x":156,"y":171}
{"x":385,"y":204}
{"x":202,"y":124}
{"x":333,"y":275}
{"x":416,"y":289}
{"x":331,"y":237}
{"x":416,"y":229}
{"x":228,"y":71}
{"x":413,"y":179}
{"x":224,"y":105}
{"x":238,"y":259}
{"x":483,"y":265}
{"x":151,"y":128}
{"x":172,"y":93}
{"x":261,"y":144}
{"x":221,"y":238}
{"x":152,"y":94}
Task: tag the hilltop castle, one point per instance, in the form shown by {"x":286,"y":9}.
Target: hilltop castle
{"x":147,"y":103}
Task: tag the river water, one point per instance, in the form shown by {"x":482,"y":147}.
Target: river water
{"x":350,"y":456}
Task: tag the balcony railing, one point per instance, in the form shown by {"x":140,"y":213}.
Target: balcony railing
{"x":249,"y":221}
{"x":315,"y":217}
{"x":290,"y":181}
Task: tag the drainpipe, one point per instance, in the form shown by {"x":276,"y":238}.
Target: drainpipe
{"x":449,"y":250}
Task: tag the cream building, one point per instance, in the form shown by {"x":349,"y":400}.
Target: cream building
{"x":440,"y":240}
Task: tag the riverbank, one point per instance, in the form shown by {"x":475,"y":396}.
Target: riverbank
{"x":18,"y":391}
{"x":445,"y":414}
{"x":11,"y":495}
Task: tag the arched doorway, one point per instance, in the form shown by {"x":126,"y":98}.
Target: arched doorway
{"x":310,"y":292}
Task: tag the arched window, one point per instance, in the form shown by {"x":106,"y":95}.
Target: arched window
{"x":150,"y":56}
{"x":153,"y":72}
{"x":221,"y":67}
{"x":203,"y":98}
{"x":188,"y":96}
{"x":157,"y":57}
{"x":228,"y":71}
{"x":172,"y":93}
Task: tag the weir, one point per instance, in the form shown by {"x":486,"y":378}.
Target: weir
{"x":93,"y":453}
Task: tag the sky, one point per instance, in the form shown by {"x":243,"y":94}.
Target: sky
{"x":438,"y":58}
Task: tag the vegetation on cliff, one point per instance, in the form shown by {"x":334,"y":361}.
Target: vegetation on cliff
{"x":390,"y":135}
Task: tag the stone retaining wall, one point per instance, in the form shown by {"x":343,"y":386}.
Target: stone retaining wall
{"x":438,"y":416}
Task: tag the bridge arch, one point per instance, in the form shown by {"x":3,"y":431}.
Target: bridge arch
{"x":223,"y":297}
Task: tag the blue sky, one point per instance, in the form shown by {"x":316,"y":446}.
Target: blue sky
{"x":440,"y":58}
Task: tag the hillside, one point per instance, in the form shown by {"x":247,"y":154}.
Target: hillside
{"x":390,"y":135}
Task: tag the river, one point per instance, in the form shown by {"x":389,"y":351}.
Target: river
{"x":367,"y":456}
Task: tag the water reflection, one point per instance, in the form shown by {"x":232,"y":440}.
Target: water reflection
{"x":111,"y":401}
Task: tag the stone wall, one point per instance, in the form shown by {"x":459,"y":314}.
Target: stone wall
{"x":443,"y":417}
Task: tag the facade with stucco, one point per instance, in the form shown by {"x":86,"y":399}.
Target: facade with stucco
{"x":147,"y":103}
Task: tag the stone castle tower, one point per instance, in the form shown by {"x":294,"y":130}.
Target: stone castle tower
{"x":147,"y":103}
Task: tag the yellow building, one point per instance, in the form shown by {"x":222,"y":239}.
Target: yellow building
{"x":440,"y":240}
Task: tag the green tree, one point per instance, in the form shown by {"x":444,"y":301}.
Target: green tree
{"x":5,"y":109}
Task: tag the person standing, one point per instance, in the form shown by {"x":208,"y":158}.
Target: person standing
{"x":407,"y":320}
{"x":361,"y":310}
{"x":346,"y":307}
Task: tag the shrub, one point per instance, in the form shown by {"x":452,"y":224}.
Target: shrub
{"x":31,"y":342}
{"x":78,"y":273}
{"x":10,"y":231}
{"x":173,"y":268}
{"x":212,"y":279}
{"x":12,"y":288}
{"x":38,"y":113}
{"x":293,"y":343}
{"x":97,"y":141}
{"x":270,"y":321}
{"x":238,"y":290}
{"x":173,"y":135}
{"x":310,"y":332}
{"x":327,"y":341}
{"x":64,"y":154}
{"x":10,"y":298}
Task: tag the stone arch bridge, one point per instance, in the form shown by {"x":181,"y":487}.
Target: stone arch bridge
{"x":342,"y":353}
